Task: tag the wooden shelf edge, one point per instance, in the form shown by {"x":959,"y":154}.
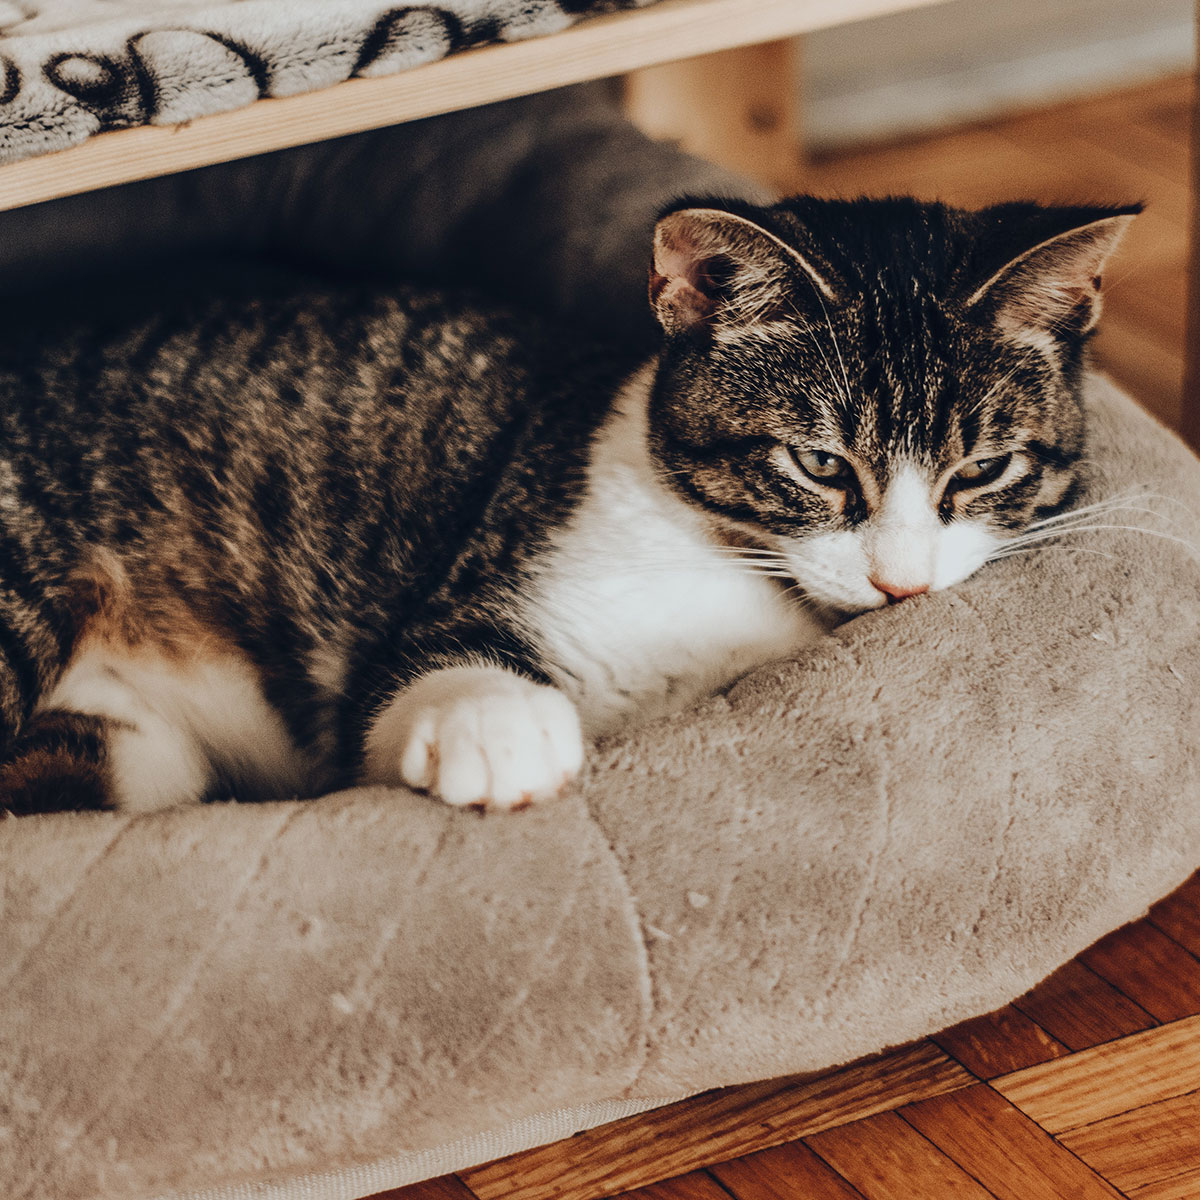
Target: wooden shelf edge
{"x":607,"y":45}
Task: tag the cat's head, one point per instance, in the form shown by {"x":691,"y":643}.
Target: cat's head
{"x":882,"y":391}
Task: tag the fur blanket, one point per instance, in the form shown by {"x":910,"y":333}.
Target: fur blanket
{"x":73,"y":68}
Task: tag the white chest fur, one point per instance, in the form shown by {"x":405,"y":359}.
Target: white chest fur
{"x":635,"y":608}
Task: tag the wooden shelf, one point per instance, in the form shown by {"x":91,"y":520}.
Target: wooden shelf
{"x":608,"y":45}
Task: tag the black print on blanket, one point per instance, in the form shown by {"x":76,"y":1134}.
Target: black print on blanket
{"x":59,"y":85}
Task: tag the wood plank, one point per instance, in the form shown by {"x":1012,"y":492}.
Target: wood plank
{"x":1189,"y":410}
{"x":1178,"y":916}
{"x":739,"y":108}
{"x":716,"y":1126}
{"x":1105,"y":1080}
{"x":1150,"y":968}
{"x":1102,"y":169}
{"x":999,"y":1042}
{"x":1131,"y":355}
{"x":783,"y":1173}
{"x":696,"y":1186}
{"x":1159,"y":298}
{"x":1143,"y":1147}
{"x":1003,"y":1149}
{"x":885,"y":1158}
{"x":1159,"y":160}
{"x":966,"y":167}
{"x":1080,"y":1009}
{"x":447,"y":1187}
{"x":1180,"y":1187}
{"x":606,"y":45}
{"x":1167,"y":107}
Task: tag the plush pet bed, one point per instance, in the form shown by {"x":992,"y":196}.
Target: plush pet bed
{"x":907,"y":826}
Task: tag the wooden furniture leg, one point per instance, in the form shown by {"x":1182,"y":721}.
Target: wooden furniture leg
{"x":739,"y":108}
{"x":1189,"y":415}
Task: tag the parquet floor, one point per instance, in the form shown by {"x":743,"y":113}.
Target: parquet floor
{"x":1089,"y":1085}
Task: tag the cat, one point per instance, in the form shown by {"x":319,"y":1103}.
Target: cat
{"x":271,"y":548}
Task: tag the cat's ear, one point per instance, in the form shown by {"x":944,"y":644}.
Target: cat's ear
{"x":713,"y":268}
{"x":1055,"y":285}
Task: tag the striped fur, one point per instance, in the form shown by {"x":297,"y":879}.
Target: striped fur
{"x":267,"y":547}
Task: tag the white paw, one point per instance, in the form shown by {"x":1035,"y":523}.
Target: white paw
{"x":477,"y":736}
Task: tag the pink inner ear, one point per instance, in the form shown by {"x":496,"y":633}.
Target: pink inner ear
{"x":685,"y":304}
{"x":676,"y":261}
{"x":1046,"y":301}
{"x":1058,"y":280}
{"x":677,"y":281}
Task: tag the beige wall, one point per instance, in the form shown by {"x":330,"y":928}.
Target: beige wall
{"x":974,"y":58}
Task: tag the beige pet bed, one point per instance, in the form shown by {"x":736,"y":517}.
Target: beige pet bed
{"x":909,"y":825}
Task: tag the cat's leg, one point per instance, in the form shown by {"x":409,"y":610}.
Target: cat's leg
{"x":476,"y":735}
{"x":49,"y":761}
{"x":65,"y":760}
{"x":96,"y":743}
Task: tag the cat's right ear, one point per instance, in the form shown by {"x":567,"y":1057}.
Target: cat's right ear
{"x":714,"y":268}
{"x":1054,"y":286}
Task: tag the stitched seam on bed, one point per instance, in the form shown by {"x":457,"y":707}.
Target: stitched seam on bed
{"x":648,"y":986}
{"x":181,"y":994}
{"x":504,"y":1021}
{"x":985,"y":904}
{"x":53,"y":918}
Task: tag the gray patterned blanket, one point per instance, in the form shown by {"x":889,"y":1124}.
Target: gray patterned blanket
{"x":73,"y":68}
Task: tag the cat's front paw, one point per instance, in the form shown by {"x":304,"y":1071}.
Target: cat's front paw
{"x":477,"y":736}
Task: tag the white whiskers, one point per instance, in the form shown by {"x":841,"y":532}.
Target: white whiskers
{"x":1112,"y":514}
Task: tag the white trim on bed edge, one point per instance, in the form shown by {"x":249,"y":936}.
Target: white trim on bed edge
{"x":357,"y":1182}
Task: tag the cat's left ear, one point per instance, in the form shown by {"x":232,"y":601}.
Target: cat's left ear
{"x":715,"y":268}
{"x":1055,"y":285}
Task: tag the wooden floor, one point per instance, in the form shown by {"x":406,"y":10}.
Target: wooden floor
{"x":1089,"y":1086}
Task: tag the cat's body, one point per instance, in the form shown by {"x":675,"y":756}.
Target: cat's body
{"x":280,"y":547}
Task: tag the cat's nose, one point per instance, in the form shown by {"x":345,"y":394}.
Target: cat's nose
{"x":895,"y":592}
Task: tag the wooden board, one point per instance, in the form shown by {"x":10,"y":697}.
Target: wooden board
{"x":999,"y":1043}
{"x":784,"y":1172}
{"x":445,"y":1188}
{"x":885,"y":1158}
{"x":739,"y":108}
{"x":1178,"y":916}
{"x":736,"y":1121}
{"x":607,"y":45}
{"x":1145,"y":1147}
{"x":997,"y":1143}
{"x":1109,"y":1079}
{"x":1080,"y":1009}
{"x":1156,"y":972}
{"x":697,"y":1186}
{"x":1177,"y":1187}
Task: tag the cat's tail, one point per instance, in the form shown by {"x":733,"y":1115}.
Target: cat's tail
{"x":57,"y":763}
{"x":50,"y":760}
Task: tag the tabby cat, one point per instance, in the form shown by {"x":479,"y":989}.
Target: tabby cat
{"x":272,"y":548}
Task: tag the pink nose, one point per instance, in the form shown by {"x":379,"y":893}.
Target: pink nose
{"x":895,"y":592}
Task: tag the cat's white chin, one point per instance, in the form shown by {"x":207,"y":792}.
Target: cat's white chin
{"x":836,"y":569}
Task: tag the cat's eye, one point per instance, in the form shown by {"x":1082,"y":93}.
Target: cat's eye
{"x":981,"y":471}
{"x":823,"y":467}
